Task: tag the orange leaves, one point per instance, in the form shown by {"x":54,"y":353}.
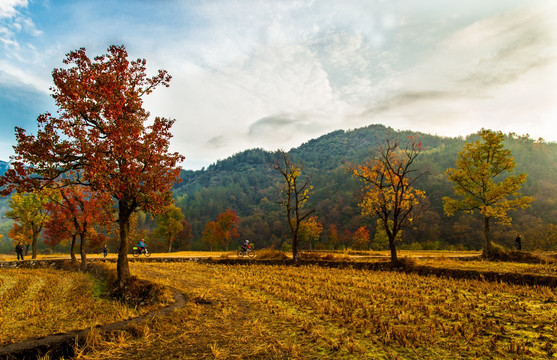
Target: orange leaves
{"x":221,"y":231}
{"x":389,"y":191}
{"x":228,"y":223}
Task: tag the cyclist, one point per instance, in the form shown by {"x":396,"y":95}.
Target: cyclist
{"x":141,"y":245}
{"x":245,"y":245}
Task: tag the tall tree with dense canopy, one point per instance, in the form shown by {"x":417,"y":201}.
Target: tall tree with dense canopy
{"x":295,"y":194}
{"x":29,"y":212}
{"x":389,"y":191}
{"x":101,"y":138}
{"x":481,"y":182}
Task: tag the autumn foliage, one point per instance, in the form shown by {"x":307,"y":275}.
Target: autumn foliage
{"x":101,"y":138}
{"x":389,"y":192}
{"x":77,"y":213}
{"x":482,"y":182}
{"x":222,"y":231}
{"x":30,"y":216}
{"x":294,"y":196}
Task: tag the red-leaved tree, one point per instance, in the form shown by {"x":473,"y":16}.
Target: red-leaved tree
{"x":100,"y":138}
{"x":228,"y":224}
{"x":79,"y":213}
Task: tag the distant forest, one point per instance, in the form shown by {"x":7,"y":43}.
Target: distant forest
{"x":247,"y":184}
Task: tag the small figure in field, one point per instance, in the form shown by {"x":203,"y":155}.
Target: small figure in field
{"x":141,"y":245}
{"x":518,"y":242}
{"x":19,"y":250}
{"x":105,"y":250}
{"x":245,"y":245}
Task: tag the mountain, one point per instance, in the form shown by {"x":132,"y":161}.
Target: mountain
{"x":247,"y":184}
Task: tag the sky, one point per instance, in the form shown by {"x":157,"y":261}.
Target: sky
{"x":274,"y":74}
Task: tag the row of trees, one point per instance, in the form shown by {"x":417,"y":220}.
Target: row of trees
{"x":482,"y":183}
{"x":247,"y":183}
{"x":75,"y":216}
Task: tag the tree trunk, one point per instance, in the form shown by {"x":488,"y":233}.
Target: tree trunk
{"x":82,"y":252}
{"x":295,"y":255}
{"x":72,"y":249}
{"x":169,"y":244}
{"x":487,"y":248}
{"x":394,"y":257}
{"x":34,"y":245}
{"x":122,"y":266}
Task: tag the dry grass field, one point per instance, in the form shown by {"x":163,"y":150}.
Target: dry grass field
{"x":39,"y":302}
{"x":308,"y":312}
{"x":12,"y":257}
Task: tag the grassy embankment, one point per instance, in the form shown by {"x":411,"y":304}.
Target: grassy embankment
{"x":40,"y":302}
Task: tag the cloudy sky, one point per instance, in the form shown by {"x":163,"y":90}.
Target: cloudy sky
{"x":276,"y":73}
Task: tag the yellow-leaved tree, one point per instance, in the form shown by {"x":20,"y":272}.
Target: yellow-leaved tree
{"x":30,"y":215}
{"x":310,"y":230}
{"x":482,"y":183}
{"x":389,"y":192}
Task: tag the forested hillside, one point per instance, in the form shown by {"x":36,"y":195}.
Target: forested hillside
{"x":247,"y":184}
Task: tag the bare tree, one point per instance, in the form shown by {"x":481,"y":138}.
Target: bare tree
{"x":295,"y":194}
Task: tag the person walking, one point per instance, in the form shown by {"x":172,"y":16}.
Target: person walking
{"x":19,"y":250}
{"x":518,"y":242}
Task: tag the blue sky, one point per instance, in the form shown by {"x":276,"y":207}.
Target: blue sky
{"x":276,"y":73}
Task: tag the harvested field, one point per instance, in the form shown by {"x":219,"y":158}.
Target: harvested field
{"x":309,"y":312}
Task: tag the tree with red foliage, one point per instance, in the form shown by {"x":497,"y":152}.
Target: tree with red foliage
{"x":100,"y":138}
{"x":221,"y":231}
{"x":79,"y":212}
{"x":228,"y":225}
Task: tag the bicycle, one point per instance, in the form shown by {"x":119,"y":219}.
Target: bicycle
{"x":137,"y":251}
{"x":247,"y":252}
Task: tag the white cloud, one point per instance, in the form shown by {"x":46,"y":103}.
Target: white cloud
{"x":8,"y":7}
{"x":499,"y":73}
{"x":18,"y":77}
